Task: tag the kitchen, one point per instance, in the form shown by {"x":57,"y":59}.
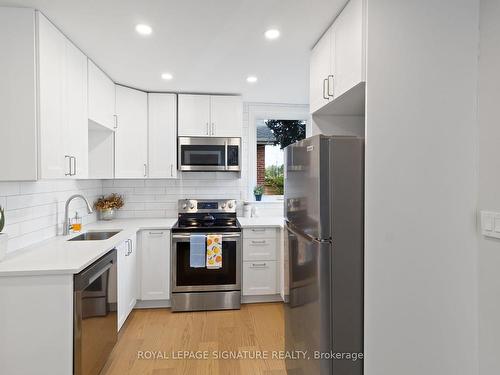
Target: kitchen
{"x":138,"y":234}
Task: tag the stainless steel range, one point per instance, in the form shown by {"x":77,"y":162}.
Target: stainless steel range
{"x":201,"y":287}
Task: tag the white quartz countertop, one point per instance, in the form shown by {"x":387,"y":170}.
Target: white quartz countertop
{"x":252,"y":222}
{"x":59,"y":256}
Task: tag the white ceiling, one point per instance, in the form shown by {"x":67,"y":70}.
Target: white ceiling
{"x":208,"y":45}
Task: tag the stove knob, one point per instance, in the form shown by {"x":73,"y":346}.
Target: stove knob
{"x":223,"y":205}
{"x":184,"y":206}
{"x":230,"y":204}
{"x":191,"y":206}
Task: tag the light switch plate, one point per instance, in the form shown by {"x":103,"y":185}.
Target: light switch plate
{"x":490,"y":224}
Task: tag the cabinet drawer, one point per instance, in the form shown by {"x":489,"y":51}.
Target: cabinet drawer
{"x":259,"y":233}
{"x":259,"y":249}
{"x":259,"y":278}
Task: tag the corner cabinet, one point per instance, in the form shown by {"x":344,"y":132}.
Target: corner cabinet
{"x":210,"y":116}
{"x":338,"y":61}
{"x":43,"y":100}
{"x":131,"y":134}
{"x":101,"y":97}
{"x":162,"y":135}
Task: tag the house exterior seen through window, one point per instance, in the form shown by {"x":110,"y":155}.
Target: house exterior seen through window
{"x":272,"y":137}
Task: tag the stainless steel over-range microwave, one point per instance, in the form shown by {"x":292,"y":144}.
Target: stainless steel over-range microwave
{"x":209,"y":154}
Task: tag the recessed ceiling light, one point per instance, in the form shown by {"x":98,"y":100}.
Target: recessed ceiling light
{"x":251,"y":79}
{"x":167,"y":76}
{"x":143,"y":29}
{"x":272,"y":34}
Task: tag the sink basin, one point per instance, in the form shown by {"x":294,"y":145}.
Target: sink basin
{"x":94,"y":236}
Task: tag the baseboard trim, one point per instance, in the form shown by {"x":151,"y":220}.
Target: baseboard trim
{"x":260,"y":299}
{"x":153,"y":304}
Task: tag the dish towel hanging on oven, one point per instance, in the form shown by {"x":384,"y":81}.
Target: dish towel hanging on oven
{"x":197,"y":250}
{"x":214,"y":251}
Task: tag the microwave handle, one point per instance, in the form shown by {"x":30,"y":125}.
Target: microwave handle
{"x":226,"y":155}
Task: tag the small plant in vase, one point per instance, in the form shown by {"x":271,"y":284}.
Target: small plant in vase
{"x":258,"y":191}
{"x":3,"y":236}
{"x":106,"y":206}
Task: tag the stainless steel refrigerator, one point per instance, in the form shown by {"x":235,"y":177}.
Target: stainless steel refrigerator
{"x":324,"y":205}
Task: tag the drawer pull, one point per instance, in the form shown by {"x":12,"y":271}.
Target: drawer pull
{"x":155,"y":233}
{"x":259,"y":242}
{"x":259,"y":230}
{"x":259,"y":265}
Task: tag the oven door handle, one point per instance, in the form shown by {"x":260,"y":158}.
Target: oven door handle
{"x":184,"y":236}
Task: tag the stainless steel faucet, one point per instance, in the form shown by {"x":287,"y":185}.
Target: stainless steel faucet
{"x":66,"y":225}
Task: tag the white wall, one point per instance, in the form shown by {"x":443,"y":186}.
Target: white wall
{"x":489,"y":186}
{"x":421,"y":246}
{"x":35,"y":210}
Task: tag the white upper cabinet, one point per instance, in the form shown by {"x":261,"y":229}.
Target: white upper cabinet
{"x":348,"y":63}
{"x":131,"y":135}
{"x":53,"y":162}
{"x":162,"y":134}
{"x":101,"y":97}
{"x":194,"y":115}
{"x":320,"y":72}
{"x":76,"y":124}
{"x":338,"y":61}
{"x":210,"y":116}
{"x":226,"y":114}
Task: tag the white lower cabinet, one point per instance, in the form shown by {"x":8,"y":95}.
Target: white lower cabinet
{"x":260,"y":261}
{"x":155,"y":265}
{"x":127,"y":278}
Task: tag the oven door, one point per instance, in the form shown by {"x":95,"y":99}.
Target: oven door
{"x":188,"y":279}
{"x":209,"y":154}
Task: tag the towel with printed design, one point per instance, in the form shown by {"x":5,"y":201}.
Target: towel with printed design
{"x":214,"y":251}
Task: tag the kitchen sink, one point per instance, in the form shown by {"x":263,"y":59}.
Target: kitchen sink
{"x":94,"y":236}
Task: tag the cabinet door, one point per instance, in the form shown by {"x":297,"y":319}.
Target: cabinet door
{"x":348,"y":56}
{"x":132,"y":272}
{"x":155,"y":265}
{"x":123,"y":277}
{"x":162,"y":144}
{"x":51,"y":76}
{"x":76,"y":125}
{"x":101,"y":97}
{"x":320,"y":70}
{"x":194,"y":115}
{"x":226,"y":116}
{"x":259,"y":278}
{"x":131,"y":135}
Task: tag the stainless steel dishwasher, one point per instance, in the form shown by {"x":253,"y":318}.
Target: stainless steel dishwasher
{"x":95,"y":316}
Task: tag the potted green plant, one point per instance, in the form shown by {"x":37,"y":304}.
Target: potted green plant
{"x":106,"y":206}
{"x":257,"y":191}
{"x":3,"y":236}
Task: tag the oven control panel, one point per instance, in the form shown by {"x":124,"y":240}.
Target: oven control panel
{"x":207,"y":205}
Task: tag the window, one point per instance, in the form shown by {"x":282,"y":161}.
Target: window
{"x":272,"y":137}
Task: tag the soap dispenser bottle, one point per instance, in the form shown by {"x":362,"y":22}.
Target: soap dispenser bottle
{"x":76,"y":223}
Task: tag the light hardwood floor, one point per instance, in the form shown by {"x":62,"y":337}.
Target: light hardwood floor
{"x":256,"y":327}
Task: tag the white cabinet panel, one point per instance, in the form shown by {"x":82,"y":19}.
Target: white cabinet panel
{"x":194,"y":115}
{"x":348,"y":58}
{"x":226,"y":116}
{"x":76,"y":124}
{"x":260,"y":232}
{"x":127,"y":279}
{"x":131,"y":135}
{"x":18,"y":95}
{"x":162,"y":150}
{"x":51,"y":68}
{"x":101,"y":97}
{"x":320,"y":70}
{"x":155,"y":265}
{"x":259,"y":278}
{"x":259,"y":249}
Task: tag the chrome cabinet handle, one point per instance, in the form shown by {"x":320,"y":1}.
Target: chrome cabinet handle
{"x":171,"y":170}
{"x":208,"y":131}
{"x":69,"y":166}
{"x":213,"y":128}
{"x":328,"y":86}
{"x":258,"y":229}
{"x":259,"y":242}
{"x":324,"y":95}
{"x":259,"y":265}
{"x":115,"y":126}
{"x":74,"y":165}
{"x":156,"y":233}
{"x":145,"y":169}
